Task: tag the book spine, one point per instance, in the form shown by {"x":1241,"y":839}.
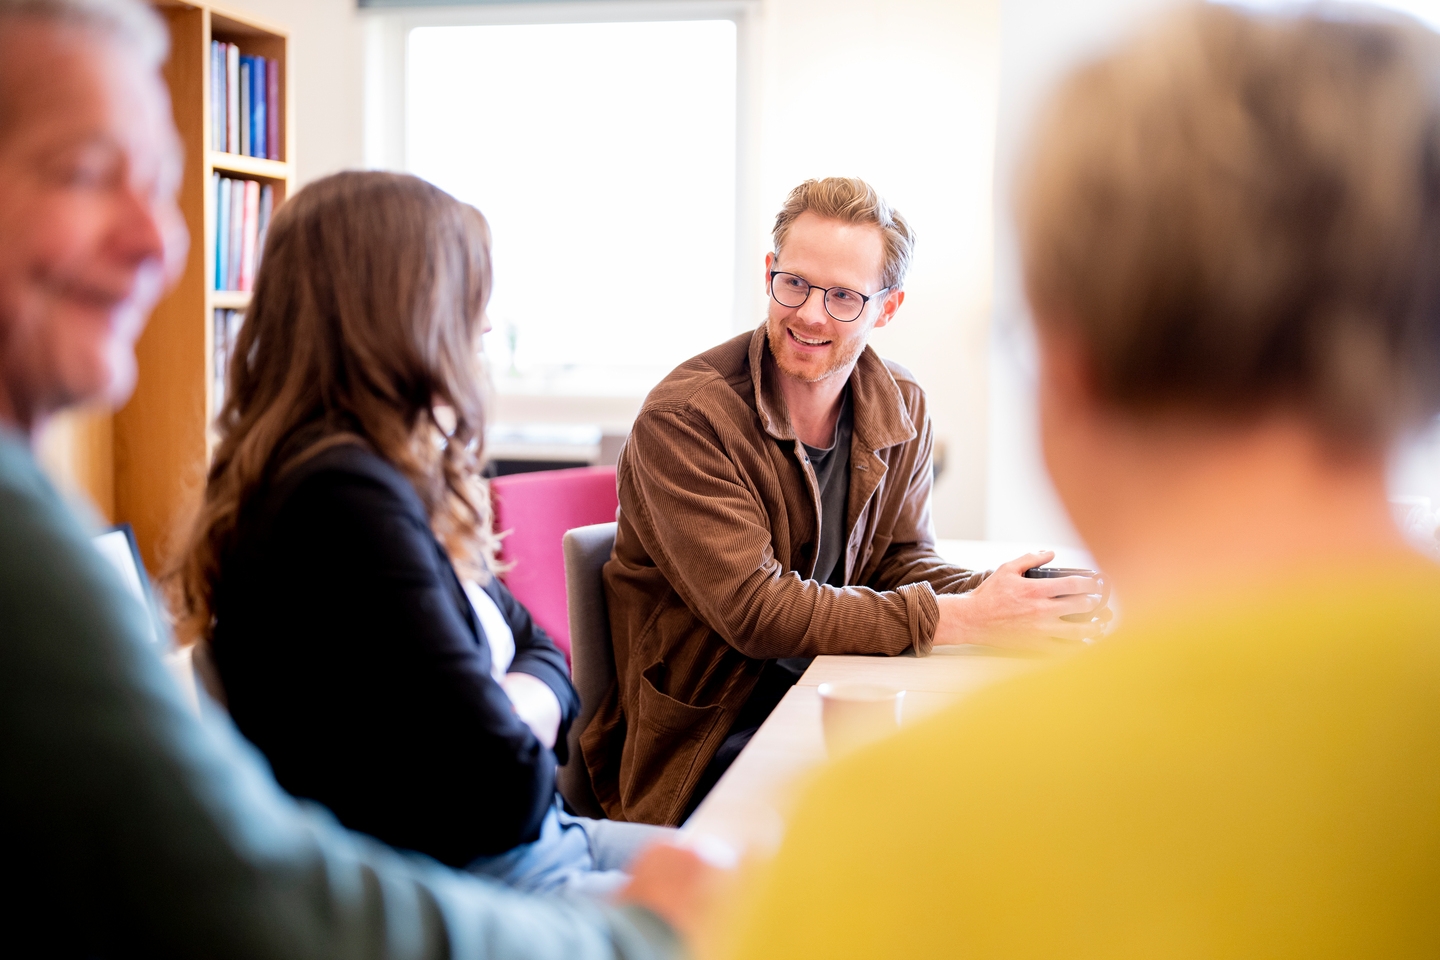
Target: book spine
{"x":213,"y":237}
{"x":217,"y":89}
{"x":234,"y":320}
{"x":258,"y":108}
{"x":230,"y":334}
{"x":222,"y":234}
{"x":220,"y":355}
{"x":272,"y":85}
{"x":232,"y":93}
{"x":245,"y":106}
{"x":252,"y":233}
{"x":237,"y":234}
{"x":267,"y":207}
{"x":222,"y":98}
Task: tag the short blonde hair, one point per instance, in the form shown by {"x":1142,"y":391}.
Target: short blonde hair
{"x":1239,"y":212}
{"x":851,"y":200}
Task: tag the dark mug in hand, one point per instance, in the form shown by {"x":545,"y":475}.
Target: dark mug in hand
{"x":1051,"y":573}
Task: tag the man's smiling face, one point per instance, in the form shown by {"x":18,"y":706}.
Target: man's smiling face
{"x":89,"y":168}
{"x":808,"y":344}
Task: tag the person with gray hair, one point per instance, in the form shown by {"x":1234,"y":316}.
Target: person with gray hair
{"x":1230,"y":228}
{"x":135,"y":827}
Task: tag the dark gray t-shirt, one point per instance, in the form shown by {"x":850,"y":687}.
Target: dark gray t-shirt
{"x":832,"y":472}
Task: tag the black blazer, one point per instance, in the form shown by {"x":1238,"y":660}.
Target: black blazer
{"x":352,"y":658}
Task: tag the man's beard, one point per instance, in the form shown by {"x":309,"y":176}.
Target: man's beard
{"x":846,"y":353}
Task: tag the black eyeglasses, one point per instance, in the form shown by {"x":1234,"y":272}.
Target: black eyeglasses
{"x":842,"y":303}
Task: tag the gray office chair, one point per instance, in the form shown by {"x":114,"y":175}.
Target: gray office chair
{"x":592,"y":659}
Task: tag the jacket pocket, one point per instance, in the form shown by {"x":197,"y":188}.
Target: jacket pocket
{"x":662,"y":711}
{"x":668,"y":738}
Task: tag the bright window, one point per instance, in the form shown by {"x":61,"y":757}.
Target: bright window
{"x":603,"y":155}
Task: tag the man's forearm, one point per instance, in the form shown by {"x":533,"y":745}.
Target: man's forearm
{"x":919,"y":563}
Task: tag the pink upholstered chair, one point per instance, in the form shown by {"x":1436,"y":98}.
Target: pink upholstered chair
{"x":535,"y":510}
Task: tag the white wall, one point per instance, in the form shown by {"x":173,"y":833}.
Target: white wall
{"x":1040,"y":40}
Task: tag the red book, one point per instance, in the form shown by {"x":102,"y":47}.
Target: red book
{"x":272,"y":98}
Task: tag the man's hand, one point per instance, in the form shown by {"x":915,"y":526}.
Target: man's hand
{"x":535,"y":703}
{"x":677,"y":883}
{"x":1010,"y":610}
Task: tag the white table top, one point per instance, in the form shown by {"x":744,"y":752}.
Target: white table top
{"x":746,"y":808}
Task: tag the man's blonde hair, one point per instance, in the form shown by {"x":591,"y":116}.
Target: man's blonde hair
{"x":1239,"y":212}
{"x":851,"y":200}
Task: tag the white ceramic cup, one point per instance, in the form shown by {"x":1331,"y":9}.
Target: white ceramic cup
{"x":854,"y":714}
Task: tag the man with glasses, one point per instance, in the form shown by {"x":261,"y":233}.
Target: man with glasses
{"x":775,"y":505}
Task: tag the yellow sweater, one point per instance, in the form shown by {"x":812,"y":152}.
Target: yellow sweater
{"x":1263,"y":784}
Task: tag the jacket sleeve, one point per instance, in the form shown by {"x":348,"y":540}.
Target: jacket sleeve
{"x":143,"y":829}
{"x":537,"y":655}
{"x":911,"y":556}
{"x":705,"y":527}
{"x":384,"y":568}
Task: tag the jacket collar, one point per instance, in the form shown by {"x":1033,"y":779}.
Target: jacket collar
{"x":881,"y":417}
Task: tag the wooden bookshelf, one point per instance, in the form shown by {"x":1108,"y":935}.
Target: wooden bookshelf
{"x":249,"y":166}
{"x":230,"y":299}
{"x":146,"y":465}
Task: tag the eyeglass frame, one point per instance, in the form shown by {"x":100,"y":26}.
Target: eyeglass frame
{"x":825,"y":294}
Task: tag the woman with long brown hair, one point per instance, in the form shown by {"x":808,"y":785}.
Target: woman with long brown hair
{"x":421,"y":705}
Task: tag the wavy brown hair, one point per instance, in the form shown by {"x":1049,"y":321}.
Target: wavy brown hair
{"x":364,"y":328}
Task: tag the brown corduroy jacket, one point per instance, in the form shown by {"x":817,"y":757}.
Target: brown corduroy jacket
{"x":719,"y":526}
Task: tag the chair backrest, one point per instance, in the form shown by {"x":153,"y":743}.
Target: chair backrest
{"x":535,"y":509}
{"x":592,"y":659}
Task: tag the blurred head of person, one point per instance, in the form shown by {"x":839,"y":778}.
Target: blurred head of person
{"x":90,"y":233}
{"x":1230,"y":230}
{"x":364,"y":328}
